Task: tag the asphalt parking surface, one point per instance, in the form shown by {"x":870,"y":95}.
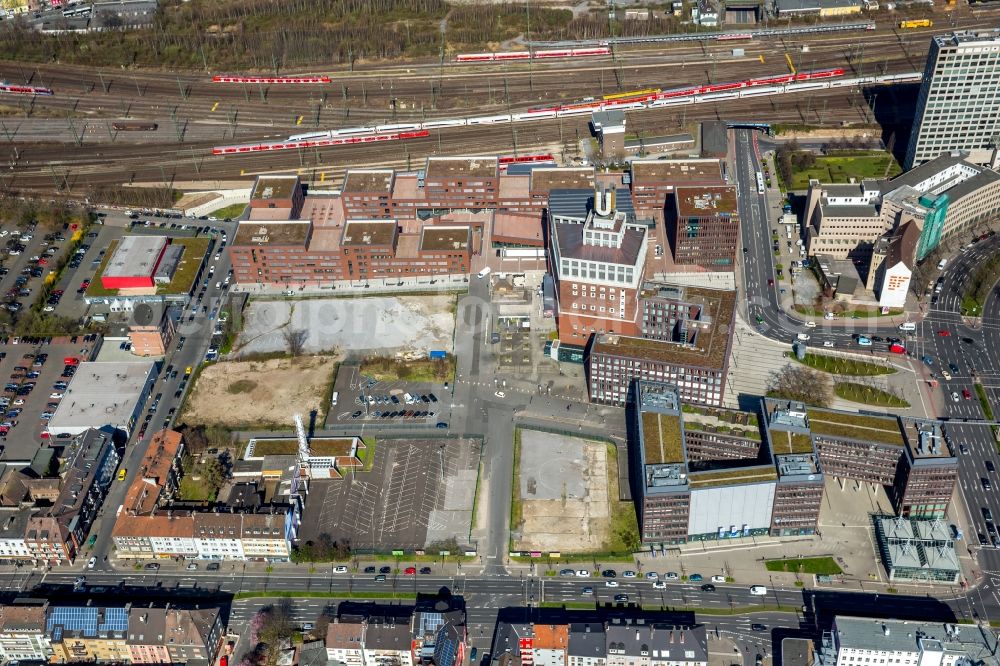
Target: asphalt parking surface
{"x":391,"y":506}
{"x":24,"y":438}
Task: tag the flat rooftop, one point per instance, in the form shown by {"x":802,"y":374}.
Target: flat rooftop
{"x":547,"y":179}
{"x":526,"y":229}
{"x":101,"y":394}
{"x":368,"y":181}
{"x":703,"y":201}
{"x":442,"y":239}
{"x":677,"y":171}
{"x":861,"y":427}
{"x":661,"y":437}
{"x":291,"y":232}
{"x":135,"y":255}
{"x":369,"y":233}
{"x":713,"y":337}
{"x":457,"y":167}
{"x":925,"y":441}
{"x":274,"y":187}
{"x":732,"y":477}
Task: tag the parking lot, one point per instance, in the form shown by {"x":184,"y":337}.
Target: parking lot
{"x":362,"y":399}
{"x":22,"y":368}
{"x":28,"y":256}
{"x":418,"y":492}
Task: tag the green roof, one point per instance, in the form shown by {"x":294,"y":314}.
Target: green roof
{"x":784,"y":442}
{"x":661,"y":436}
{"x":730,"y":477}
{"x":881,"y":429}
{"x":327,"y":446}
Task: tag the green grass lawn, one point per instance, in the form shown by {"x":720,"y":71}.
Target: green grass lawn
{"x":868,"y":395}
{"x":844,"y":366}
{"x":823,"y":566}
{"x":194,"y":491}
{"x":840,"y":169}
{"x":231,"y":212}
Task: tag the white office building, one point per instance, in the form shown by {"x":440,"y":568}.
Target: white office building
{"x":861,"y":641}
{"x":959,"y":103}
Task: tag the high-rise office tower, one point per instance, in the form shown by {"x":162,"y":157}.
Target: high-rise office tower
{"x":959,"y":103}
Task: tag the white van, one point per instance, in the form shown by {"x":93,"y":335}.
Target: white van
{"x":408,"y":399}
{"x":942,"y":264}
{"x":758,"y":590}
{"x":333,"y":400}
{"x":908,"y":326}
{"x":483,"y":273}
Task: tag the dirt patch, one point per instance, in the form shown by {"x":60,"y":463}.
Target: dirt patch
{"x":571,"y":511}
{"x":229,"y":393}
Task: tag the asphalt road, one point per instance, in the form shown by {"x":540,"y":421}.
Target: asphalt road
{"x":197,"y":334}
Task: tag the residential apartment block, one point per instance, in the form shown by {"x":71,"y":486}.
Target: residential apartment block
{"x":56,"y":514}
{"x":620,"y":640}
{"x":684,"y":337}
{"x":958,"y":107}
{"x":149,"y":527}
{"x":364,"y":634}
{"x":125,"y":634}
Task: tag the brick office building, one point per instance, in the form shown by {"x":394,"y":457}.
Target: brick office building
{"x":653,"y":181}
{"x":598,"y":266}
{"x":311,"y":240}
{"x":686,"y":340}
{"x":703,"y":226}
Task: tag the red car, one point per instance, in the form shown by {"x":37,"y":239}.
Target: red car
{"x":944,"y":334}
{"x":966,"y":394}
{"x":410,"y":571}
{"x":770,"y":282}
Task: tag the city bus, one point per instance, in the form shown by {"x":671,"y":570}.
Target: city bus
{"x":760,"y":183}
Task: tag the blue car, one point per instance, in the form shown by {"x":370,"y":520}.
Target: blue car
{"x":695,"y":578}
{"x":442,"y":425}
{"x":929,"y":360}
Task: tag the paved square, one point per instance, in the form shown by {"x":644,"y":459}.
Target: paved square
{"x":419,"y":492}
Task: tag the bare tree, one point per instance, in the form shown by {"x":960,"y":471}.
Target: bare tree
{"x":797,"y":382}
{"x":295,"y":338}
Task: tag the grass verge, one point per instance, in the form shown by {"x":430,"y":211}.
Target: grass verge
{"x":868,"y":395}
{"x":232,"y":212}
{"x":624,"y":537}
{"x":421,"y":370}
{"x":824,"y":566}
{"x":844,"y":366}
{"x":299,"y":594}
{"x":515,"y":492}
{"x":984,"y":401}
{"x":475,"y":499}
{"x":368,"y":457}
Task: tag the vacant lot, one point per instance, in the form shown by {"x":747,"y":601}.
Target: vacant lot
{"x":563,"y":501}
{"x":242,"y":394}
{"x":379,"y":324}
